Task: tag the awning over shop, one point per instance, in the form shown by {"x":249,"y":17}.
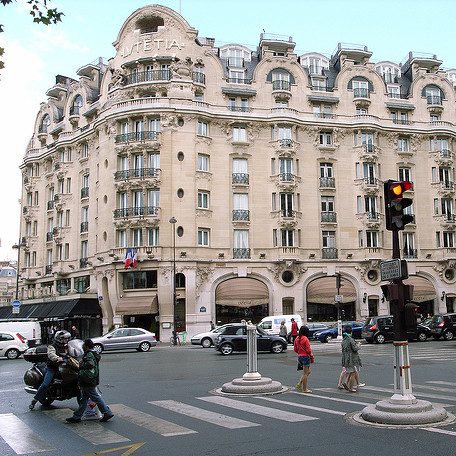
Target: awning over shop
{"x":54,"y":309}
{"x":138,"y":306}
{"x":323,"y":291}
{"x":423,"y":290}
{"x":242,"y":292}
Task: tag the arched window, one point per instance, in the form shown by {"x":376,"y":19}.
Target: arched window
{"x":280,"y":78}
{"x":361,"y":86}
{"x":180,"y":280}
{"x":45,"y":122}
{"x":76,"y":106}
{"x":434,"y":94}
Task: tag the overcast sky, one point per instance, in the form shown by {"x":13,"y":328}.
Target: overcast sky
{"x":34,"y":54}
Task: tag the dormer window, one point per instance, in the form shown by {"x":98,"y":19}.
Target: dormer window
{"x":281,"y":79}
{"x":75,"y":109}
{"x":434,"y":94}
{"x":45,"y":122}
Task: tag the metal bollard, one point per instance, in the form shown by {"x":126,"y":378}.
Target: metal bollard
{"x":252,"y":352}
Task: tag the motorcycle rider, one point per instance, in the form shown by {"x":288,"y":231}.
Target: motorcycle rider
{"x":55,"y":353}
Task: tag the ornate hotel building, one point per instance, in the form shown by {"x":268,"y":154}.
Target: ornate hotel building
{"x":271,"y":163}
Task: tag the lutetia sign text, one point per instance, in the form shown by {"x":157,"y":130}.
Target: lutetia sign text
{"x":149,"y":44}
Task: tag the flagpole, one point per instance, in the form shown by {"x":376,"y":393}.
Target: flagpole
{"x":173,"y":222}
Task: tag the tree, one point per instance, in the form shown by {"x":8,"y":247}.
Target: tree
{"x":41,"y":13}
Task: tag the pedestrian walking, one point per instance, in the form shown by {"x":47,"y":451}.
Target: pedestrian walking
{"x":305,"y":357}
{"x":294,"y":330}
{"x":283,"y":332}
{"x":88,"y":379}
{"x":350,"y":360}
{"x":212,"y":325}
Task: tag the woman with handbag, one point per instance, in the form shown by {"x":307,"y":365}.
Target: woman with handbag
{"x":305,"y":357}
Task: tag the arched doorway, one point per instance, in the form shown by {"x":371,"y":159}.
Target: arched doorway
{"x":424,"y":294}
{"x":320,"y":297}
{"x":239,"y":299}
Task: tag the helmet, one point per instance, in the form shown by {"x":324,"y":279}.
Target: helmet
{"x":62,"y":338}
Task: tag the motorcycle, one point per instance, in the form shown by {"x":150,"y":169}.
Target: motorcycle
{"x":64,"y":385}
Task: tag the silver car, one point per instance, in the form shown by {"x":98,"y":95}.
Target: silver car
{"x":125,"y":338}
{"x":207,"y":339}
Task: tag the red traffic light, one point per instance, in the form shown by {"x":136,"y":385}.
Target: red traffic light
{"x":397,"y":188}
{"x":395,"y":203}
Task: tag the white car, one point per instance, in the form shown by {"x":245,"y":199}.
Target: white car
{"x":207,"y":339}
{"x":12,"y":344}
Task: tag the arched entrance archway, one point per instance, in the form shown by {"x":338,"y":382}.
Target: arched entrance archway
{"x":241,"y":298}
{"x":320,"y":296}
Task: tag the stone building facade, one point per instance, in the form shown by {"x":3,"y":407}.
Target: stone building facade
{"x":270,"y":162}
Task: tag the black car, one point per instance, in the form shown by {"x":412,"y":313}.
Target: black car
{"x":234,"y":338}
{"x":443,"y":325}
{"x":380,"y":329}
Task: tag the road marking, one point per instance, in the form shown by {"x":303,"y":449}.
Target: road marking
{"x":204,"y":415}
{"x":331,"y":398}
{"x":257,"y":409}
{"x":439,"y":431}
{"x":443,"y":383}
{"x":434,"y":388}
{"x":92,"y":431}
{"x":294,"y":404}
{"x":434,"y":396}
{"x":20,"y":437}
{"x":154,"y":424}
{"x":130,"y":449}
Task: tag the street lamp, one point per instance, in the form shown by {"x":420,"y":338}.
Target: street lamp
{"x":18,"y":248}
{"x":173,"y":222}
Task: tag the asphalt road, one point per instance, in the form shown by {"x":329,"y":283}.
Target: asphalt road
{"x":164,"y":405}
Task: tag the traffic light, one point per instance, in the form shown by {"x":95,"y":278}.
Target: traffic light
{"x":411,"y":312}
{"x":395,"y":204}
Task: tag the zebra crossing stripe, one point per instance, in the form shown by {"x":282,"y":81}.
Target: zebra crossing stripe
{"x":20,"y":437}
{"x":295,"y":404}
{"x":442,"y":383}
{"x":439,"y":431}
{"x":204,"y":415}
{"x":434,"y":388}
{"x":92,"y":431}
{"x":336,"y":399}
{"x":257,"y":409}
{"x":154,"y":424}
{"x":433,"y":396}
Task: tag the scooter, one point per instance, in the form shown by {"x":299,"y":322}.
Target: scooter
{"x":64,"y":386}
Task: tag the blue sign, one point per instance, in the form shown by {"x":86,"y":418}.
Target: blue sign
{"x":16,"y":303}
{"x":202,"y":309}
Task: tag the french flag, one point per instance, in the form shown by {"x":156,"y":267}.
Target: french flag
{"x":131,"y":258}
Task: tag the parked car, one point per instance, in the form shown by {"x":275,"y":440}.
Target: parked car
{"x":234,"y":338}
{"x":125,"y":338}
{"x":207,"y":339}
{"x":380,"y":329}
{"x":443,"y":325}
{"x":315,"y":327}
{"x":331,"y":333}
{"x":27,"y":328}
{"x":12,"y":344}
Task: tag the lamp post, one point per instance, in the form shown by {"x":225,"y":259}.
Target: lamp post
{"x":173,"y":222}
{"x":18,"y":248}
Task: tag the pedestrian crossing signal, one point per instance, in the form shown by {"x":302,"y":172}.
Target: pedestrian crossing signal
{"x":395,"y":203}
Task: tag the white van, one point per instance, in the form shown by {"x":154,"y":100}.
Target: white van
{"x":271,"y":324}
{"x":30,"y":329}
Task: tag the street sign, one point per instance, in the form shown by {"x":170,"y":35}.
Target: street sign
{"x":16,"y":310}
{"x":393,"y":269}
{"x":16,"y":303}
{"x":339,"y":298}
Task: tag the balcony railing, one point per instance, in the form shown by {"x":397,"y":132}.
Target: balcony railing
{"x":329,"y":217}
{"x":240,"y":178}
{"x":238,"y":108}
{"x":126,"y":174}
{"x":324,"y":115}
{"x":199,"y":77}
{"x":288,"y":213}
{"x":239,"y":80}
{"x":137,"y":136}
{"x":445,"y":153}
{"x":135,"y":211}
{"x":49,"y":236}
{"x":281,"y":85}
{"x":361,"y":93}
{"x":84,"y":227}
{"x":410,"y":253}
{"x":369,"y":148}
{"x":401,"y":121}
{"x":241,"y":214}
{"x":48,"y":269}
{"x":321,"y":88}
{"x":147,"y":76}
{"x":329,"y":253}
{"x":373,"y":216}
{"x":449,"y":218}
{"x":84,"y":192}
{"x":287,"y":177}
{"x":50,"y":205}
{"x":286,"y":143}
{"x":83,"y":262}
{"x":434,"y":100}
{"x":370,"y":180}
{"x":75,"y":110}
{"x":241,"y":253}
{"x":447,"y":185}
{"x":402,"y":96}
{"x":327,"y":182}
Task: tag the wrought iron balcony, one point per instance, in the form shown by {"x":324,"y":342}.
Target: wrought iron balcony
{"x":369,"y":148}
{"x":281,"y":85}
{"x":373,"y":216}
{"x":329,"y":217}
{"x":321,"y":88}
{"x":126,"y":174}
{"x":84,"y":227}
{"x":325,"y":115}
{"x":239,"y":80}
{"x":396,"y":95}
{"x":448,"y":185}
{"x":240,"y":178}
{"x":137,"y":136}
{"x":241,"y":215}
{"x":49,"y":236}
{"x":329,"y":253}
{"x":84,"y":192}
{"x":288,"y":213}
{"x":361,"y":93}
{"x":401,"y":121}
{"x":84,"y":262}
{"x":410,"y":253}
{"x":445,"y":153}
{"x":199,"y":77}
{"x":48,"y":269}
{"x":287,"y":177}
{"x":75,"y":110}
{"x":286,"y":143}
{"x":139,"y":211}
{"x":434,"y":100}
{"x":371,"y":181}
{"x":327,"y":182}
{"x":241,"y":253}
{"x":238,"y":108}
{"x":451,"y":218}
{"x":147,"y":76}
{"x":50,"y":205}
{"x":43,"y":129}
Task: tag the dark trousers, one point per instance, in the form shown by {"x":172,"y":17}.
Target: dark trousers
{"x":90,"y":392}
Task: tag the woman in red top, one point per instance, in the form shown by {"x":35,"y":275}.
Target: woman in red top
{"x":305,"y":357}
